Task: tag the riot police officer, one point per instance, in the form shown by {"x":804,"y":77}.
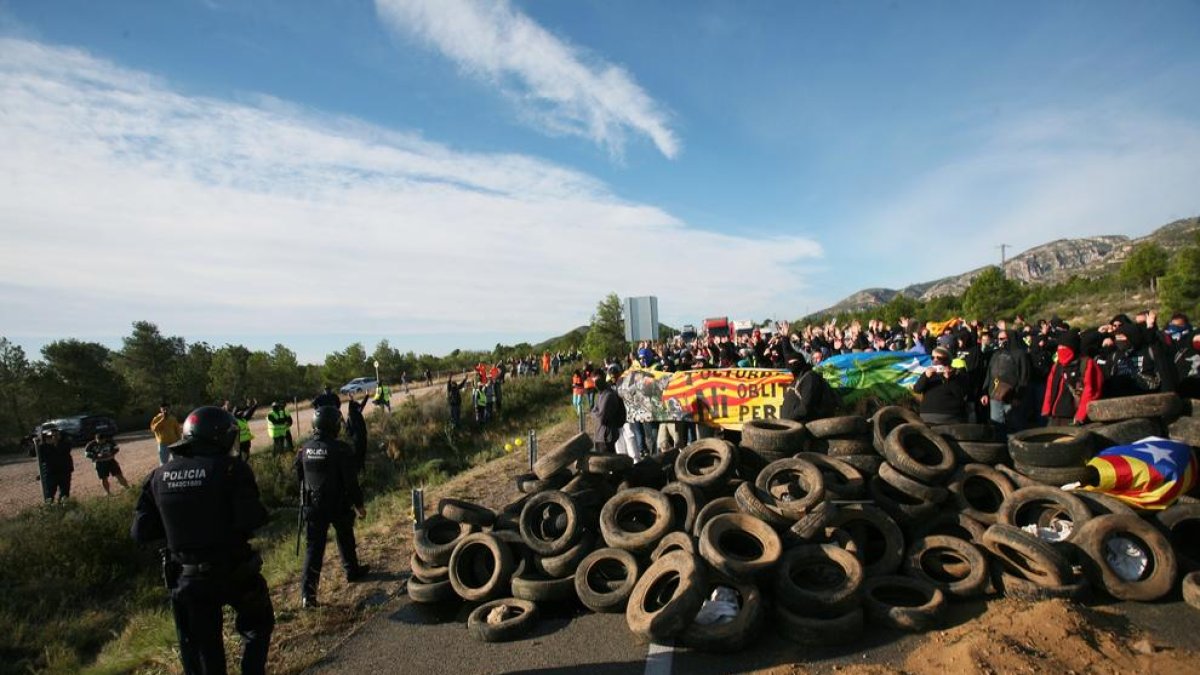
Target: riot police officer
{"x":206,"y":505}
{"x":328,"y":478}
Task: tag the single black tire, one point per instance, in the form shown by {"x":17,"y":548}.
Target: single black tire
{"x":604,"y":463}
{"x":530,"y":484}
{"x":1162,"y":569}
{"x":1018,"y":479}
{"x":711,"y":509}
{"x":820,"y":579}
{"x":561,"y":457}
{"x":466,"y":512}
{"x":914,"y":450}
{"x":636,"y":520}
{"x":706,"y":464}
{"x":972,"y":433}
{"x":740,"y":546}
{"x":868,"y":465}
{"x":888,"y":418}
{"x":791,"y":485}
{"x":427,"y":574}
{"x":982,"y":452}
{"x":436,"y":538}
{"x":605,"y":579}
{"x":550,"y":522}
{"x":774,"y":439}
{"x":481,"y":567}
{"x":675,"y":541}
{"x":811,"y":525}
{"x":1015,"y":587}
{"x":666,"y":597}
{"x":904,"y":603}
{"x":952,"y":524}
{"x":524,"y":616}
{"x":955,"y":566}
{"x":817,"y":631}
{"x":1024,"y":555}
{"x":684,"y":505}
{"x":904,"y":507}
{"x":846,"y":425}
{"x":1181,"y":524}
{"x":1191,"y":589}
{"x":430,"y":593}
{"x":733,"y":635}
{"x":851,"y":446}
{"x":1124,"y":432}
{"x":1129,"y":407}
{"x":544,"y":589}
{"x":1051,"y":447}
{"x":749,"y":501}
{"x":980,"y":491}
{"x":911,"y":486}
{"x":565,"y":563}
{"x":842,"y":481}
{"x":1101,"y":504}
{"x":1026,"y":505}
{"x":1185,"y":430}
{"x":876,"y":535}
{"x":1054,"y":476}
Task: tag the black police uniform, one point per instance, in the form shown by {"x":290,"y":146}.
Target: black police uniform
{"x":55,"y":466}
{"x":356,"y":427}
{"x":327,"y":473}
{"x":207,"y":507}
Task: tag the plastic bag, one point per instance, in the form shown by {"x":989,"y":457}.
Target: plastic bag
{"x":720,"y":608}
{"x":1058,"y":530}
{"x":1125,"y":558}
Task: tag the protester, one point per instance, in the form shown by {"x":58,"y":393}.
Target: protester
{"x":167,"y":430}
{"x":1074,"y":381}
{"x":102,"y":450}
{"x":944,"y":389}
{"x":609,"y":413}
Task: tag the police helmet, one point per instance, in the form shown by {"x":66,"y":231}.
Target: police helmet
{"x":327,"y":421}
{"x":208,"y":430}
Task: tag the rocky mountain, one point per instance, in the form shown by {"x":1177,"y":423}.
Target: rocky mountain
{"x":1047,"y":263}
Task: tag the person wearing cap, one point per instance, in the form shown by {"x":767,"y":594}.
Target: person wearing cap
{"x":279,"y":427}
{"x":1135,"y":366}
{"x":1074,"y":382}
{"x":55,"y":464}
{"x":809,"y":396}
{"x":206,"y":505}
{"x":167,"y":430}
{"x":944,"y":389}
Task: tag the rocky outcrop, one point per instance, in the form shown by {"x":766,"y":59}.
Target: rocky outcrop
{"x":1048,"y":263}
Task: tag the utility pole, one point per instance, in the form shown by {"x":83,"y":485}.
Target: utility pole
{"x":1003,"y":258}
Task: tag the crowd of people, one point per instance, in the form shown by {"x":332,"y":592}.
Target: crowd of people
{"x":1013,"y":375}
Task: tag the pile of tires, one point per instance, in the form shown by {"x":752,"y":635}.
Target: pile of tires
{"x":818,"y":529}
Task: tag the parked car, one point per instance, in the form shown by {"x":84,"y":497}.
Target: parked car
{"x":80,"y":429}
{"x":360,"y":385}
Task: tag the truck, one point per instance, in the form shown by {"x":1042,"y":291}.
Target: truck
{"x":688,"y":333}
{"x":717,"y":326}
{"x":743,"y":328}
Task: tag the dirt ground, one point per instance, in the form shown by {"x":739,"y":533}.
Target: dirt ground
{"x":21,"y":489}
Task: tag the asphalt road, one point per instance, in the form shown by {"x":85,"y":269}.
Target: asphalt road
{"x":413,"y":638}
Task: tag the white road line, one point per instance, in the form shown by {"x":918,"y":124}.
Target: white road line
{"x":658,"y":659}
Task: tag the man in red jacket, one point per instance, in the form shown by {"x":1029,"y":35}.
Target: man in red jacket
{"x":1073,"y":383}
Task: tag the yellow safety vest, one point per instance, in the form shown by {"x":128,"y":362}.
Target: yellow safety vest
{"x":381,"y":393}
{"x":277,"y":424}
{"x":244,"y":434}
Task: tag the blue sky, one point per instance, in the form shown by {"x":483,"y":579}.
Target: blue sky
{"x":454,"y":174}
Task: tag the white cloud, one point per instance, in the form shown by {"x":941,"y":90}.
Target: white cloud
{"x":122,"y":199}
{"x":1117,"y":167}
{"x":556,"y":84}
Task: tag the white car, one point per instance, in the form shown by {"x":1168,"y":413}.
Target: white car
{"x":360,"y":385}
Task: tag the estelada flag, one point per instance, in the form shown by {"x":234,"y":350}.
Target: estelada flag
{"x":1148,"y":474}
